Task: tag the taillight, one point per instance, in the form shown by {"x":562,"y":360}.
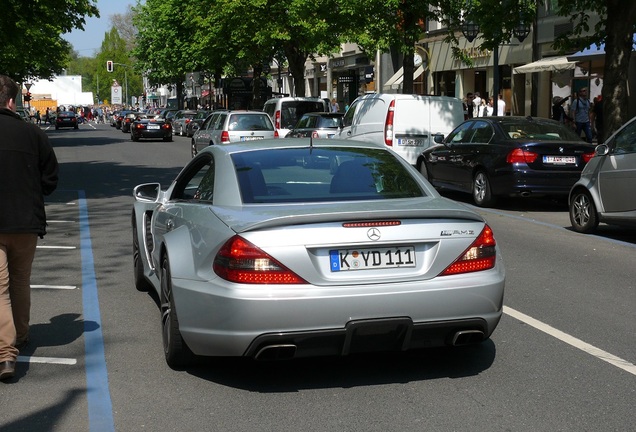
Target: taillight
{"x":166,"y":126}
{"x":277,"y":120}
{"x":481,"y":255}
{"x":388,"y":124}
{"x":241,"y":262}
{"x":519,"y":155}
{"x":225,"y":137}
{"x":276,"y":135}
{"x":314,"y":134}
{"x":139,"y":126}
{"x":588,"y":156}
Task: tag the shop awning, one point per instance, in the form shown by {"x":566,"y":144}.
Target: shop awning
{"x":548,"y":64}
{"x":398,"y":77}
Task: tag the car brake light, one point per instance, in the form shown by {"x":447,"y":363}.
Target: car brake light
{"x":314,"y":134}
{"x":225,"y":137}
{"x":277,"y":120}
{"x":276,"y":135}
{"x":519,"y":155}
{"x":588,"y":156}
{"x":166,"y":126}
{"x":240,"y":261}
{"x":388,"y":124}
{"x":480,"y":255}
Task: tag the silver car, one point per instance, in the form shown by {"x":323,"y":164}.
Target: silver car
{"x":224,"y":127}
{"x":606,"y":191}
{"x":252,"y":253}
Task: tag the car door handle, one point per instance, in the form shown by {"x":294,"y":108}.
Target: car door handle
{"x":169,"y":225}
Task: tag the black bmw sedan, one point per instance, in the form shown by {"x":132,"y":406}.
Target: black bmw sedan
{"x":507,"y":156}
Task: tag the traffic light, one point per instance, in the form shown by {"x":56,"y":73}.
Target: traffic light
{"x":109,"y":65}
{"x":27,"y":97}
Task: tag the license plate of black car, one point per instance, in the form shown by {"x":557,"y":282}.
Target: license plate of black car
{"x":372,"y":258}
{"x":559,"y":160}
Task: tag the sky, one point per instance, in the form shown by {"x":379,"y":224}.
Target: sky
{"x":87,"y":42}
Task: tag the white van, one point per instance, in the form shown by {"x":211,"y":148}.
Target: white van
{"x":286,"y":111}
{"x":405,"y":122}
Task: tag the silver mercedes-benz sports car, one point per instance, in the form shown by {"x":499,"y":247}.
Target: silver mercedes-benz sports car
{"x":289,"y":248}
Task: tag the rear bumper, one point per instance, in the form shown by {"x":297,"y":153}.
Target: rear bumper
{"x":521,"y":182}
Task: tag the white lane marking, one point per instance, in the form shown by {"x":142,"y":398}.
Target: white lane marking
{"x":48,"y":360}
{"x":571,"y":340}
{"x":57,"y":247}
{"x":63,"y":287}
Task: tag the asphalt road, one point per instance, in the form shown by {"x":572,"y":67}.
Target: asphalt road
{"x":562,"y":359}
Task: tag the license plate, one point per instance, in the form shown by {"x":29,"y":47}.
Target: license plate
{"x":559,"y":160}
{"x":369,"y":259}
{"x":409,"y":142}
{"x":153,"y":127}
{"x":251,"y":138}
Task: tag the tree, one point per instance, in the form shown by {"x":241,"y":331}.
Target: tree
{"x":615,"y":29}
{"x":30,"y":31}
{"x":165,"y":35}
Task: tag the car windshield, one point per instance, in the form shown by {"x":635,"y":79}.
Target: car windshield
{"x":538,"y":130}
{"x":298,"y":175}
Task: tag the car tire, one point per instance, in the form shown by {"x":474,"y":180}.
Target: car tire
{"x":141,"y":283}
{"x":583,"y":214}
{"x":482,"y":193}
{"x":168,"y":138}
{"x":133,"y":137}
{"x":176,"y":351}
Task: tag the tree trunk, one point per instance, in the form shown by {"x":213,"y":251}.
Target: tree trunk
{"x":618,"y":50}
{"x":296,"y":62}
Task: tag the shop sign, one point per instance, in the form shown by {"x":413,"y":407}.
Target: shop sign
{"x":345,"y":79}
{"x":337,"y":63}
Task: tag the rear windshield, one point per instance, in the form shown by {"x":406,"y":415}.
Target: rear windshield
{"x":250,"y":122}
{"x":297,"y":175}
{"x":537,"y":130}
{"x":291,"y":111}
{"x":329,"y":122}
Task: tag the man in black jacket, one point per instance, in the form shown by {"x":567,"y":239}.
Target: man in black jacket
{"x":28,"y":171}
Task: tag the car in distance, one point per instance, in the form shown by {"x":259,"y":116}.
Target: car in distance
{"x":224,"y":127}
{"x":606,"y":191}
{"x":316,"y":125}
{"x":254,"y":254}
{"x":491,"y":157}
{"x":149,"y":127}
{"x":66,"y":119}
{"x":180,"y":121}
{"x":196,"y":122}
{"x":286,"y":111}
{"x":128,"y":118}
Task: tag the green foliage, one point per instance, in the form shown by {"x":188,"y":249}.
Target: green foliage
{"x":30,"y":31}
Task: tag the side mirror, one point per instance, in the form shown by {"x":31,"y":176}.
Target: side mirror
{"x":602,"y":149}
{"x":438,"y":138}
{"x":147,"y":192}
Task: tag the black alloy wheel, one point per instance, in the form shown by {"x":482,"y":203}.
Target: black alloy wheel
{"x":583,"y":215}
{"x":177,"y":353}
{"x":141,"y":283}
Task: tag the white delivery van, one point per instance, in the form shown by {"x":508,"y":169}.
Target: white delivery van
{"x":406,"y":123}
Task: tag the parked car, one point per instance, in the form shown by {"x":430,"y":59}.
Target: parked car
{"x":253,"y":254}
{"x":150,"y":127}
{"x":286,"y":111}
{"x":317,"y":125}
{"x":196,"y":122}
{"x":181,"y":119}
{"x":224,"y":127}
{"x":129,"y":118}
{"x":606,"y":191}
{"x":406,"y":123}
{"x":491,"y":157}
{"x":66,"y":119}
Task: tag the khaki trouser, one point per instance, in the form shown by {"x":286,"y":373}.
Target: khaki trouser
{"x":16,"y":258}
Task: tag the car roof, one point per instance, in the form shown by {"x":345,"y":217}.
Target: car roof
{"x":277,"y":143}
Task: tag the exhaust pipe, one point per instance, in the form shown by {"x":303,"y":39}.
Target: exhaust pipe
{"x":526,"y":194}
{"x":467,"y":337}
{"x":276,"y":352}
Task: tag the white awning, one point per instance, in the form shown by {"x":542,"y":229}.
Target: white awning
{"x":548,"y":64}
{"x":398,"y":77}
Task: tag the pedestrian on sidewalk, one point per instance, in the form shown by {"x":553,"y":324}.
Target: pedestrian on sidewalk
{"x":28,"y":171}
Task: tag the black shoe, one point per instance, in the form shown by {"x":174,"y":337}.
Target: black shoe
{"x":7,"y":370}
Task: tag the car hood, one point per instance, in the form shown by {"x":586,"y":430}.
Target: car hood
{"x":258,"y":216}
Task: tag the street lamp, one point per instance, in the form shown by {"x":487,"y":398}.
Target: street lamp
{"x":470,"y":30}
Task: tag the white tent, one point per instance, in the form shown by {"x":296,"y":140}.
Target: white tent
{"x":548,"y":64}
